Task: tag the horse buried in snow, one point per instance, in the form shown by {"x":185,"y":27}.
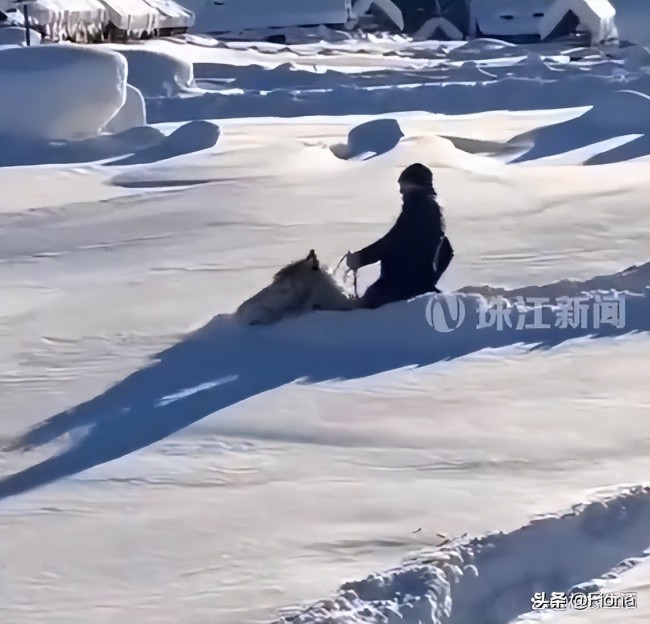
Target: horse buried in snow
{"x":300,"y":287}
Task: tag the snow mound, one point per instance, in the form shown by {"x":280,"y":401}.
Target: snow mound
{"x":635,"y":58}
{"x":19,"y":151}
{"x":158,"y":74}
{"x":618,"y":114}
{"x":369,"y":140}
{"x":534,"y":66}
{"x":456,"y":88}
{"x":484,"y":48}
{"x":634,"y":279}
{"x":493,"y":579}
{"x":191,"y":137}
{"x":470,"y":72}
{"x":138,"y":144}
{"x":15,"y":35}
{"x":54,"y":92}
{"x":132,"y":115}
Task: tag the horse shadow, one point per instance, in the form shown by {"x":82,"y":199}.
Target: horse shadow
{"x":226,"y":362}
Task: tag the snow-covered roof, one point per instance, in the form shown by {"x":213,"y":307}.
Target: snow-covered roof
{"x":507,"y":18}
{"x":68,"y":18}
{"x":439,"y":28}
{"x":597,"y":16}
{"x":511,"y":18}
{"x":235,"y":15}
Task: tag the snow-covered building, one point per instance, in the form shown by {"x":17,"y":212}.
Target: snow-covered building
{"x":101,"y":20}
{"x":537,"y":20}
{"x":596,"y":17}
{"x":510,"y":20}
{"x":215,"y":16}
{"x":417,"y":13}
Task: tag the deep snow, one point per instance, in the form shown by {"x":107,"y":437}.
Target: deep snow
{"x":162,"y":463}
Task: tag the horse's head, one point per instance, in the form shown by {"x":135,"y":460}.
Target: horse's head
{"x":298,"y":287}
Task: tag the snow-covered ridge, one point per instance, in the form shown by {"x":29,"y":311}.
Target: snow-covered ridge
{"x":492,"y":579}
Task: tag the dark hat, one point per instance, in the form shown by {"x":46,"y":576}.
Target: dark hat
{"x":417,"y":174}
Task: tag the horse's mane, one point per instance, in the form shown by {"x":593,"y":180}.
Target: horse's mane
{"x":290,"y":269}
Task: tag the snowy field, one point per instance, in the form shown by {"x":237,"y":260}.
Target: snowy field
{"x":162,"y":464}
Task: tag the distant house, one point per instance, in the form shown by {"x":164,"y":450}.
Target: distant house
{"x":510,"y":20}
{"x":540,"y":20}
{"x":104,"y":20}
{"x":220,"y":16}
{"x":417,"y":12}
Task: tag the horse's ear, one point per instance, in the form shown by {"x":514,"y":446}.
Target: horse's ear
{"x":314,"y":260}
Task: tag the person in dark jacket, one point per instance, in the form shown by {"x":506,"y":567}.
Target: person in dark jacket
{"x":415,"y":252}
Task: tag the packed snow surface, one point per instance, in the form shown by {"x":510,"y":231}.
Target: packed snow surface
{"x":439,"y":460}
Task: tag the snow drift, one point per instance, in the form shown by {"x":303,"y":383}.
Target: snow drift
{"x":158,"y":74}
{"x":132,"y":114}
{"x":226,"y":362}
{"x":369,"y":140}
{"x":189,"y":138}
{"x":54,"y":92}
{"x":133,"y":146}
{"x":21,"y":151}
{"x":613,"y":115}
{"x":453,"y":88}
{"x":493,"y":579}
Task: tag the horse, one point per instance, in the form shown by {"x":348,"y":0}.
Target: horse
{"x":300,"y":287}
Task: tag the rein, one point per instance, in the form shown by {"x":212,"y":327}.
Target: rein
{"x":354,"y":275}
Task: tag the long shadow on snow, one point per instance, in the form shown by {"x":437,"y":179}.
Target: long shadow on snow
{"x":224,"y":363}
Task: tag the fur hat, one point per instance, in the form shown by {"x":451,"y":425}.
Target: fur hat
{"x":417,"y":174}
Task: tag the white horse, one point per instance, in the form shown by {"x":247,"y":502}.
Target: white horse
{"x":299,"y":287}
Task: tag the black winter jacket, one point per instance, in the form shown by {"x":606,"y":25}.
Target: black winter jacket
{"x":407,"y":252}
